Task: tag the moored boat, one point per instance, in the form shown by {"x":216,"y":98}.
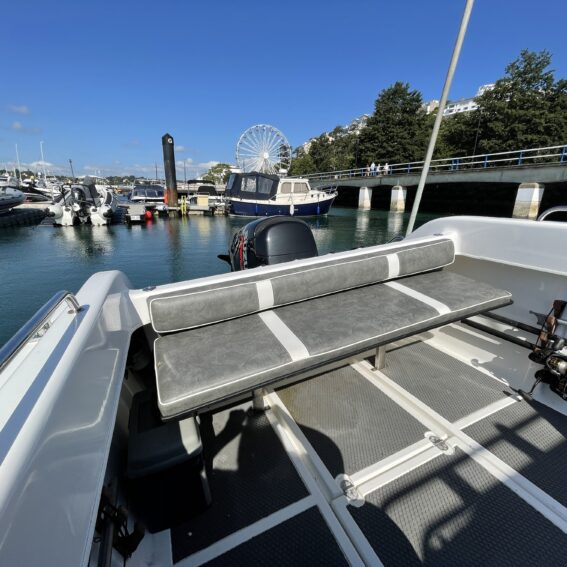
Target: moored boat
{"x":83,"y":203}
{"x":151,"y":196}
{"x":10,"y":198}
{"x":259,"y":194}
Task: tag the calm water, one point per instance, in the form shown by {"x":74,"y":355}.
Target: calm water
{"x":37,"y":262}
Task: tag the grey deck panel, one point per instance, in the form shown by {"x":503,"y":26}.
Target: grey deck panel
{"x":250,"y":476}
{"x":450,"y":511}
{"x":349,"y":422}
{"x":301,"y":541}
{"x":532,"y":439}
{"x":448,"y":386}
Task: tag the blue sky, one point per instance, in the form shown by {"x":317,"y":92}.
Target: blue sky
{"x":101,"y":82}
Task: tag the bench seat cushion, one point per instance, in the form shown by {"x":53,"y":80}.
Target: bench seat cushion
{"x":207,"y":365}
{"x":255,"y":290}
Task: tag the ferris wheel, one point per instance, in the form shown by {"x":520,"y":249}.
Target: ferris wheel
{"x":263,"y":148}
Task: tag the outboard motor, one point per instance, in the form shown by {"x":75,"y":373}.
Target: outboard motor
{"x":270,"y":240}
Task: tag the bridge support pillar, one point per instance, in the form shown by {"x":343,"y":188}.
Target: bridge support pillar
{"x":398,"y":199}
{"x":365,"y":198}
{"x":528,"y":200}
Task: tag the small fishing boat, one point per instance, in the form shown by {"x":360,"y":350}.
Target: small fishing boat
{"x":260,"y":194}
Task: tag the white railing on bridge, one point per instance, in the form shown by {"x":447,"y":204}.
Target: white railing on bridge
{"x":516,"y":158}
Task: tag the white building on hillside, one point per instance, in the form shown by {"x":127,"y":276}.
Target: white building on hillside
{"x":461,"y":105}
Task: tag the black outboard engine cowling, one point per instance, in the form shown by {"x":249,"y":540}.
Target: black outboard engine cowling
{"x":271,"y":240}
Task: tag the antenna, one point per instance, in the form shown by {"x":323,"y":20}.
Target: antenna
{"x":18,"y":160}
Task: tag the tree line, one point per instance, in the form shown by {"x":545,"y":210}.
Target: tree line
{"x":527,"y":108}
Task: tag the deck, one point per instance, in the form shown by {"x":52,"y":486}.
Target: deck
{"x":433,"y":460}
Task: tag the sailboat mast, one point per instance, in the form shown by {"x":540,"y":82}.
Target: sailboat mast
{"x":442,"y":102}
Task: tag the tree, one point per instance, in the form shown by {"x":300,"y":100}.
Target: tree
{"x":459,"y":134}
{"x":302,"y":163}
{"x":218,"y":173}
{"x":398,"y":130}
{"x":526,"y":108}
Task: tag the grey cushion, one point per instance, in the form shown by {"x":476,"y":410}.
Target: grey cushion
{"x":204,"y":305}
{"x":199,"y":367}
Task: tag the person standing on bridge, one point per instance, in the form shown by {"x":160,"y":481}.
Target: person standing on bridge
{"x":378,"y":169}
{"x":367,"y":172}
{"x":386,"y":168}
{"x":373,"y":169}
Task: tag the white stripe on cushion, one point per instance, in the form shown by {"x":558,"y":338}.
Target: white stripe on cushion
{"x":393,"y":265}
{"x":265,"y":294}
{"x":285,"y":335}
{"x":437,"y":305}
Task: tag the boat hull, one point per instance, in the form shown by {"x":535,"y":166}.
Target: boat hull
{"x":10,"y":197}
{"x":265,"y":209}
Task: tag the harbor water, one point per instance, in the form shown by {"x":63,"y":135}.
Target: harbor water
{"x":36,"y":262}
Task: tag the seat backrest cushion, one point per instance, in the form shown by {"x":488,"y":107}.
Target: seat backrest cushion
{"x":213,"y":303}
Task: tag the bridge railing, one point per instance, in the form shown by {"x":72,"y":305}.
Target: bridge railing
{"x":516,"y":158}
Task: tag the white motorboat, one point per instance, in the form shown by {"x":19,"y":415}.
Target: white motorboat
{"x":10,"y":198}
{"x":399,"y":404}
{"x":152,"y":196}
{"x":7,"y":180}
{"x":83,"y":203}
{"x":347,"y":392}
{"x":50,"y":187}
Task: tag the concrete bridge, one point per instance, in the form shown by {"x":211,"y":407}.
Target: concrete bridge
{"x":531,"y":169}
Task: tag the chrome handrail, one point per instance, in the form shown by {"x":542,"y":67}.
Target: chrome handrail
{"x":34,"y":327}
{"x":558,"y":209}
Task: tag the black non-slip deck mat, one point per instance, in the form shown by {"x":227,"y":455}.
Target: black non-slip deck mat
{"x":303,"y":540}
{"x":448,"y":386}
{"x":250,"y":476}
{"x":532,"y":439}
{"x":349,"y":421}
{"x":451,"y":511}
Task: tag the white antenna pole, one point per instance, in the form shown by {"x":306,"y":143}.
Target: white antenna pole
{"x":446,"y":88}
{"x":18,"y":160}
{"x":42,"y":160}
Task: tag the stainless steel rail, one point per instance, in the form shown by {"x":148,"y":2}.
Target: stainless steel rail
{"x":36,"y":326}
{"x":558,"y":209}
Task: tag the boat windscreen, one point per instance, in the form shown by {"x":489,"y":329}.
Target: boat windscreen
{"x":257,"y":186}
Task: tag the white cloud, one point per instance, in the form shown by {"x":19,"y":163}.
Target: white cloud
{"x":209,"y":164}
{"x":180,"y":149}
{"x":19,"y":109}
{"x":37,"y":166}
{"x":192,"y":168}
{"x":19,"y":127}
{"x":41,"y":164}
